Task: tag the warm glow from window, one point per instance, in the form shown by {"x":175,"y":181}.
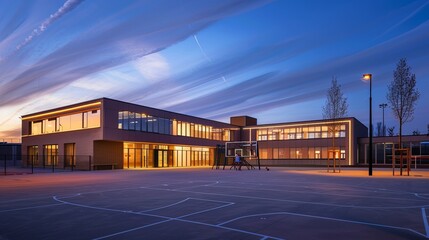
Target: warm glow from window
{"x":62,"y":110}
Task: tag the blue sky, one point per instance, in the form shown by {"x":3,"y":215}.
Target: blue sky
{"x":273,"y":60}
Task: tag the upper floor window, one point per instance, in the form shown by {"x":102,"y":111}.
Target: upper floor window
{"x":76,"y":121}
{"x":146,"y":123}
{"x":313,"y":132}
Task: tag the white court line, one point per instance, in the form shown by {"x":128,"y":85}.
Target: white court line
{"x":106,"y":209}
{"x":362,"y":186}
{"x":206,"y":210}
{"x":211,"y":200}
{"x":323,"y":218}
{"x":263,"y":236}
{"x":287,"y":200}
{"x":204,"y":185}
{"x":132,"y":229}
{"x":182,"y":201}
{"x":135,"y":188}
{"x":317,"y":193}
{"x":167,"y":219}
{"x":193,"y":222}
{"x":343,"y":187}
{"x":26,"y":208}
{"x":170,"y":205}
{"x":425,"y":222}
{"x":70,"y":196}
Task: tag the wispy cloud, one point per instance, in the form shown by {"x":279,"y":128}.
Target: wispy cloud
{"x":101,"y":47}
{"x":65,"y":8}
{"x":269,"y":90}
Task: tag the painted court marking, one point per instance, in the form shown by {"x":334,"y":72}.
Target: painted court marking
{"x":168,"y":219}
{"x":34,"y":207}
{"x":317,"y":193}
{"x":285,"y":200}
{"x":340,"y":187}
{"x":170,"y":205}
{"x":323,"y":218}
{"x":163,"y":219}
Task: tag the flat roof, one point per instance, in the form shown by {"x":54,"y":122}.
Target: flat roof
{"x":109,"y":99}
{"x":306,"y":122}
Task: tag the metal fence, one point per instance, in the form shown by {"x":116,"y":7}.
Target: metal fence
{"x":28,"y":164}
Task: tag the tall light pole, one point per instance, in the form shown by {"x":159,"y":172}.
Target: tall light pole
{"x":368,"y":77}
{"x":383,"y":106}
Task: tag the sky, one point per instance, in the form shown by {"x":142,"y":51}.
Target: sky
{"x":273,"y":60}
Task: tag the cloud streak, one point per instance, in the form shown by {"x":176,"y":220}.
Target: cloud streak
{"x":150,"y":54}
{"x":101,"y":47}
{"x":64,"y":9}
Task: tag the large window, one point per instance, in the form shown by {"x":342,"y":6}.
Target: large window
{"x":139,"y":155}
{"x":36,"y":127}
{"x":50,"y":154}
{"x":288,"y":133}
{"x":33,"y":155}
{"x":142,"y":122}
{"x":89,"y":119}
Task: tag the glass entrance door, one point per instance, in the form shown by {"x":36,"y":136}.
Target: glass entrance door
{"x":161,"y":158}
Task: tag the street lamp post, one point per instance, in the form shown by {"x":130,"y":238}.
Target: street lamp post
{"x":368,"y":77}
{"x":383,"y":106}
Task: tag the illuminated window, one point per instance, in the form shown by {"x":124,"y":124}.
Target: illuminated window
{"x":36,"y":128}
{"x":92,"y":119}
{"x":50,"y":154}
{"x":120,"y":120}
{"x":49,"y":125}
{"x":175,"y":128}
{"x":317,"y":154}
{"x":192,"y":130}
{"x":343,"y":154}
{"x":226,"y":135}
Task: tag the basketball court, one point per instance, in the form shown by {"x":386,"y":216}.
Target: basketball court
{"x":201,"y":203}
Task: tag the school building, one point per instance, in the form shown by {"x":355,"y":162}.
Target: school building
{"x":111,"y":134}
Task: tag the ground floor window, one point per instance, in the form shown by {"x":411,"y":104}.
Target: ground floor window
{"x":383,"y":152}
{"x":69,"y":155}
{"x":33,"y":155}
{"x":142,"y":155}
{"x":50,"y":154}
{"x":301,"y":153}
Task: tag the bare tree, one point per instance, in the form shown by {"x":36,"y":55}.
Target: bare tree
{"x":391,"y":131}
{"x":335,"y":108}
{"x":416,"y":132}
{"x":403,"y":94}
{"x":336,"y":104}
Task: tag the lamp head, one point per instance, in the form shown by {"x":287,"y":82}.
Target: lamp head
{"x":367,"y":76}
